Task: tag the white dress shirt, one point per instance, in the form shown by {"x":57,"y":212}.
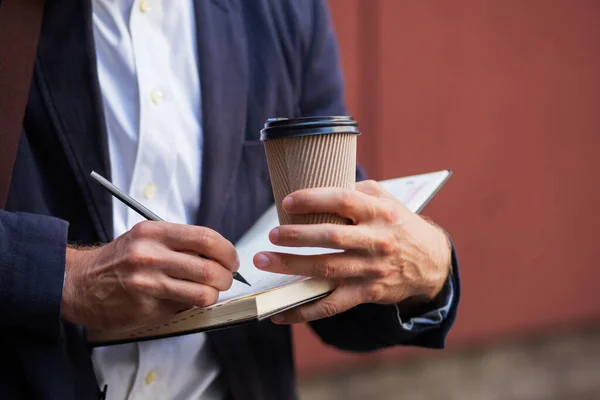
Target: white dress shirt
{"x":148,"y":73}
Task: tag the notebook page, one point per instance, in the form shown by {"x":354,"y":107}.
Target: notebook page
{"x":415,"y":191}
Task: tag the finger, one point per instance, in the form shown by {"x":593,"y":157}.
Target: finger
{"x":185,"y":292}
{"x":391,"y":209}
{"x":341,"y":299}
{"x":204,"y":241}
{"x":327,"y":266}
{"x":345,"y":237}
{"x":197,"y":239}
{"x":351,"y":204}
{"x":372,"y":188}
{"x":196,"y":269}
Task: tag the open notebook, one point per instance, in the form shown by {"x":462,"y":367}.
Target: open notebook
{"x":270,"y":293}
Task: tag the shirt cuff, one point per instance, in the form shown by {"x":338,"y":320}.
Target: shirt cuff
{"x":431,"y":318}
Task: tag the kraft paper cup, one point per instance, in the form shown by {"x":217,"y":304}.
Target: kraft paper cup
{"x":310,"y":152}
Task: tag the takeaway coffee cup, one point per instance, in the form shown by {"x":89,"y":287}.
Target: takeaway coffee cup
{"x":308,"y":153}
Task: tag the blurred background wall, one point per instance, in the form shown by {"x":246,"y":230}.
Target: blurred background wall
{"x":506,"y":93}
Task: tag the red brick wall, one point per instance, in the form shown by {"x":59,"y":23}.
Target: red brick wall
{"x":507,"y":94}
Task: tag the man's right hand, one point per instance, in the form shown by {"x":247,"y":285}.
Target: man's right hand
{"x":149,"y":272}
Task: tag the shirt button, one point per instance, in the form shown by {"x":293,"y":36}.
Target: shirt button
{"x":151,"y":377}
{"x":144,"y":6}
{"x":150,"y":191}
{"x":156,"y":97}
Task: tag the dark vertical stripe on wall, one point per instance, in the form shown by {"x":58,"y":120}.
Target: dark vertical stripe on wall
{"x":369,"y":86}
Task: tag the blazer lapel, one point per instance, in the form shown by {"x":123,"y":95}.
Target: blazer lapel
{"x":68,"y":80}
{"x":222,"y":60}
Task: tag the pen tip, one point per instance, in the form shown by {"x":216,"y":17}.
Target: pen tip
{"x":240,"y":278}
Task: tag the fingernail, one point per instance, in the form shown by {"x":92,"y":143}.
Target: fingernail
{"x":278,"y":319}
{"x":274,"y":235}
{"x":262,"y":261}
{"x":287,"y":203}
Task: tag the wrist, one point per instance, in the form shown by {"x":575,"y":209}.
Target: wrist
{"x":443,"y":256}
{"x":433,"y":298}
{"x":75,"y":261}
{"x":440,"y":269}
{"x":72,"y":261}
{"x":444,"y":260}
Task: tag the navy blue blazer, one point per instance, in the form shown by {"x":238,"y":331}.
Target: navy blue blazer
{"x":258,"y":59}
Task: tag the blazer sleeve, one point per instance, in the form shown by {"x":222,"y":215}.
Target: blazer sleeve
{"x":32,"y":267}
{"x":367,"y":326}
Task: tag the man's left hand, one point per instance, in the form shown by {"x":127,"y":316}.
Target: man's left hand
{"x":391,"y":255}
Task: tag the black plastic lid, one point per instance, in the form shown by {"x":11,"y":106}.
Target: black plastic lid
{"x":284,"y":128}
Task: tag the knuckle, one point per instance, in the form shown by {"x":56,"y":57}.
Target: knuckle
{"x":200,"y":297}
{"x":357,"y":268}
{"x":372,"y":211}
{"x":138,"y":254}
{"x":282,"y":261}
{"x":298,"y":315}
{"x":145,"y":229}
{"x":328,"y":309}
{"x":386,"y":245}
{"x":293,"y":233}
{"x":345,"y":200}
{"x":371,"y":188}
{"x":389,"y":213}
{"x":371,"y":185}
{"x":139,"y":282}
{"x":324,"y":270}
{"x":206,"y":297}
{"x":403,"y":247}
{"x":374,"y":292}
{"x":334,"y":236}
{"x":380,"y":272}
{"x":205,"y":274}
{"x":206,"y":238}
{"x":217,"y":277}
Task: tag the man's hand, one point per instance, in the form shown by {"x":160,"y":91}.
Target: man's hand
{"x":392,"y":255}
{"x":151,"y":271}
